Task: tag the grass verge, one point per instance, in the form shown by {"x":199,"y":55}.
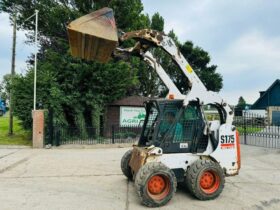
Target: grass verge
{"x":20,"y":136}
{"x":249,"y":129}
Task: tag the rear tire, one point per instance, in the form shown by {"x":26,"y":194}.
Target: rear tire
{"x":125,"y":164}
{"x":156,"y":184}
{"x":205,"y":179}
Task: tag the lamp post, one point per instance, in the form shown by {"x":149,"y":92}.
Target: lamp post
{"x":35,"y":63}
{"x":37,"y":115}
{"x":35,"y":53}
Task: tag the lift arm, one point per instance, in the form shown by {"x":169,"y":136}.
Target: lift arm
{"x":147,"y":38}
{"x":95,"y":37}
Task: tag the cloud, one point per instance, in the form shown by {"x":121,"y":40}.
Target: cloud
{"x":241,"y":37}
{"x":232,"y":96}
{"x":251,"y":51}
{"x":22,"y":50}
{"x":249,"y":64}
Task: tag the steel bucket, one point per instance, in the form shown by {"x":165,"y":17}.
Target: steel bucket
{"x":93,"y":36}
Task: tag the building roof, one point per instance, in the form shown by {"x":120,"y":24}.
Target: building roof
{"x":268,"y":98}
{"x":130,"y":101}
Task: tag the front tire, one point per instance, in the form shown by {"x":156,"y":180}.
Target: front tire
{"x":125,"y":164}
{"x":205,"y":179}
{"x":156,"y":184}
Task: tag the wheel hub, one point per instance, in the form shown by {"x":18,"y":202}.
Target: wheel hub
{"x":209,"y":182}
{"x":156,"y":184}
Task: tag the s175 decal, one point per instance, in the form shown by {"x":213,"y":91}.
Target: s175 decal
{"x":227,"y":141}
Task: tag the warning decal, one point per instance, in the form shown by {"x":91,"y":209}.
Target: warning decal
{"x":189,"y":68}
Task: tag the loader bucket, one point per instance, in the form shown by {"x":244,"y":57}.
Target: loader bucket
{"x":93,"y":36}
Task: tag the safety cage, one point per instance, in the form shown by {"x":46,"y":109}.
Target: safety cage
{"x":174,"y":127}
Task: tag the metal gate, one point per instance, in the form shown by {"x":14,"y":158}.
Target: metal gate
{"x":91,"y":135}
{"x":255,"y":130}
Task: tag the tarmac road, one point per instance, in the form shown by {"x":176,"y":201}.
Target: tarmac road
{"x":91,"y":179}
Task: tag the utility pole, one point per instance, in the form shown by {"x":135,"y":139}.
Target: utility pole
{"x":11,"y":109}
{"x":35,"y":63}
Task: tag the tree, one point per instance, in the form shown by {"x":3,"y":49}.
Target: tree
{"x":241,"y":103}
{"x":5,"y":87}
{"x":128,"y":14}
{"x":149,"y":81}
{"x":157,"y":22}
{"x":77,"y":90}
{"x":199,"y":59}
{"x":172,"y":35}
{"x":1,"y":91}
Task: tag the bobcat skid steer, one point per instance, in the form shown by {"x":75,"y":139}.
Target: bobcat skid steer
{"x":178,"y":143}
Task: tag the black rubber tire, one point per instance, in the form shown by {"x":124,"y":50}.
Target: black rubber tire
{"x":194,"y":174}
{"x":125,"y":164}
{"x":143,"y":176}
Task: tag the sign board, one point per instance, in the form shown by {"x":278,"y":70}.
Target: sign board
{"x":131,"y":116}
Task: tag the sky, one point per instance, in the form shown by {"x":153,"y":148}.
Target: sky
{"x":22,"y":50}
{"x":242,"y":38}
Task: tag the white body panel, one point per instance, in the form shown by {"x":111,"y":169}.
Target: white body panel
{"x":225,"y":156}
{"x":226,"y":152}
{"x":214,"y":127}
{"x":175,"y":160}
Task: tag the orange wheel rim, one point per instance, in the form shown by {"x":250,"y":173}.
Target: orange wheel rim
{"x":209,"y":182}
{"x":158,"y":187}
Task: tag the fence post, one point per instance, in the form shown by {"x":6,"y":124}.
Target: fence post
{"x":50,"y":126}
{"x":57,"y":139}
{"x":244,"y":127}
{"x":113,"y":134}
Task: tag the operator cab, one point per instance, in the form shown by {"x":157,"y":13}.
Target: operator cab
{"x":174,"y":127}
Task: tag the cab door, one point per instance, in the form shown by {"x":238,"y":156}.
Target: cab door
{"x":183,"y":133}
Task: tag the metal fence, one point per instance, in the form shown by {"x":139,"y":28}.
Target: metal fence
{"x":256,"y":130}
{"x":253,"y":129}
{"x":90,"y":135}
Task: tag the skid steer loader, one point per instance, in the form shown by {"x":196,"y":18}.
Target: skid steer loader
{"x":178,"y":143}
